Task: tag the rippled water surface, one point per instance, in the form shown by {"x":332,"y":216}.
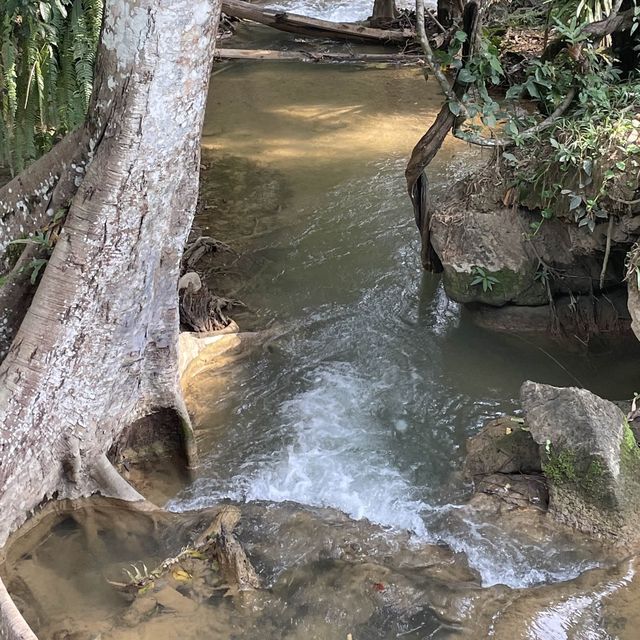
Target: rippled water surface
{"x":364,"y":399}
{"x":354,"y":395}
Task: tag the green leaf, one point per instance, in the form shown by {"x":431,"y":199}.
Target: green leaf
{"x":45,"y":11}
{"x":575,"y":202}
{"x":464,"y":75}
{"x":454,"y":107}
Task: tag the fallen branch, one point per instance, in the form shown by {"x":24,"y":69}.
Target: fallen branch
{"x":217,"y":542}
{"x":324,"y":57}
{"x":294,"y":23}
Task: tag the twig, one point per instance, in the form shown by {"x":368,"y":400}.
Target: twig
{"x":436,"y":21}
{"x":607,"y":251}
{"x":431,"y":61}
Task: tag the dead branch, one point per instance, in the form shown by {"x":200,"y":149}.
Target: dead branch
{"x":217,"y":542}
{"x":320,"y":57}
{"x":313,"y":27}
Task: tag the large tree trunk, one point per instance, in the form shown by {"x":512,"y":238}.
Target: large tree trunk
{"x":97,"y":349}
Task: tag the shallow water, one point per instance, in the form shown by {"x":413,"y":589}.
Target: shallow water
{"x":365,"y":400}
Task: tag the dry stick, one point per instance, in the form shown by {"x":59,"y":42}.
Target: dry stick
{"x":431,"y":61}
{"x":435,"y":20}
{"x":607,"y":251}
{"x":319,"y":57}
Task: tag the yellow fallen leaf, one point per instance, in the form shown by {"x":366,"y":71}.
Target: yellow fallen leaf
{"x":181,"y":575}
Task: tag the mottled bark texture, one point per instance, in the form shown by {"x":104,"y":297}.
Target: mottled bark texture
{"x":97,"y":349}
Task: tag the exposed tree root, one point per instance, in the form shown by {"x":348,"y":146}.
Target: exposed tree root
{"x":30,"y":199}
{"x":12,"y":625}
{"x":428,"y":146}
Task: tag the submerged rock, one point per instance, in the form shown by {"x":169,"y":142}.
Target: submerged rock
{"x":589,"y":456}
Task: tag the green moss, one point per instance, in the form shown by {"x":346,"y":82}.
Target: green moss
{"x":629,"y":444}
{"x":584,"y":475}
{"x":629,"y":451}
{"x":560,"y":467}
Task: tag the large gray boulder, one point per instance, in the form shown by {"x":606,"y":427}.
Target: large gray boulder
{"x":589,"y":456}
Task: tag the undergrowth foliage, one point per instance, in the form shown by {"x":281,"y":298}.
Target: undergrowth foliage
{"x":584,"y":165}
{"x":47,"y":55}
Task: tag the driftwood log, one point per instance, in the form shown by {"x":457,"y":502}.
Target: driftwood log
{"x":318,"y":57}
{"x":313,"y":27}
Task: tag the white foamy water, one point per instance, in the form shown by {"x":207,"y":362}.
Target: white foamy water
{"x":333,"y":426}
{"x":338,"y":11}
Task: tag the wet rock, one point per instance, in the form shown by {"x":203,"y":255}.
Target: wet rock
{"x":142,"y":607}
{"x":171,"y":599}
{"x":576,"y":315}
{"x":522,"y":267}
{"x":516,"y":489}
{"x":492,"y":240}
{"x":589,"y":456}
{"x":501,"y":446}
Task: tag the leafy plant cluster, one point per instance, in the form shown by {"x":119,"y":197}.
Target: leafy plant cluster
{"x":47,"y":55}
{"x":585,"y":164}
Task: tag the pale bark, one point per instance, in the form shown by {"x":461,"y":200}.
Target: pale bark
{"x":28,"y":202}
{"x":97,"y":349}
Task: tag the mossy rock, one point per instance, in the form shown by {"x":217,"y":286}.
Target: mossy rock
{"x":507,"y":286}
{"x":590,"y":458}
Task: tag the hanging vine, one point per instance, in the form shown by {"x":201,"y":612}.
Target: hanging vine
{"x":47,"y":55}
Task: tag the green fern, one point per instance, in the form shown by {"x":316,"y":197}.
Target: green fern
{"x":47,"y":59}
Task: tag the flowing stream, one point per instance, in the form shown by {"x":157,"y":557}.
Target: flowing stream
{"x":355,"y":395}
{"x":365,"y":399}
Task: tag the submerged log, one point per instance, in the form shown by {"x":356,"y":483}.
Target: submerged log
{"x":319,"y":57}
{"x":314,"y":27}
